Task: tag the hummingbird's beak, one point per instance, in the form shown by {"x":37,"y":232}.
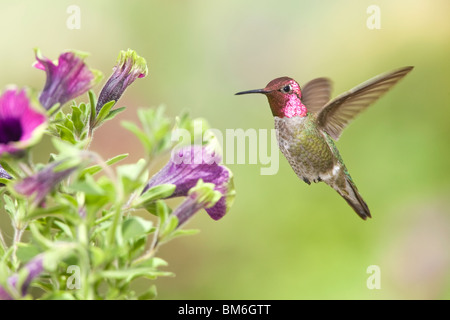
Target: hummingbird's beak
{"x":252,"y":91}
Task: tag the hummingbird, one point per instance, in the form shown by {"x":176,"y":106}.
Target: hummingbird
{"x":307,"y":122}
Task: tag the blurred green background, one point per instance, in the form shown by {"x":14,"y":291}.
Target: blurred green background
{"x":282,"y":239}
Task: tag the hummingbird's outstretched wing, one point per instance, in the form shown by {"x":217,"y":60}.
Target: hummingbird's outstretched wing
{"x":316,"y":93}
{"x":340,"y":111}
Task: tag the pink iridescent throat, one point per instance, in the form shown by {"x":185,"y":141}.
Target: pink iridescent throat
{"x":294,"y":107}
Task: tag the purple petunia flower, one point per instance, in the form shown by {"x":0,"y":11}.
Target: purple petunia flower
{"x":198,"y":162}
{"x":67,"y":78}
{"x":34,"y":268}
{"x":20,"y":124}
{"x":41,"y":183}
{"x":129,"y":67}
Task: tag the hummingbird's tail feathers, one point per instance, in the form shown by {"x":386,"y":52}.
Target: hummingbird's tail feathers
{"x":355,"y":200}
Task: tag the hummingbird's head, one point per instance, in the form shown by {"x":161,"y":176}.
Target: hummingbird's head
{"x":284,"y":97}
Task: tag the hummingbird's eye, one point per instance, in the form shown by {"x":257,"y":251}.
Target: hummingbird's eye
{"x":286,"y":89}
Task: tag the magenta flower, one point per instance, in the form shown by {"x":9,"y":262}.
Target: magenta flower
{"x":67,"y":78}
{"x":192,"y":164}
{"x":41,"y":183}
{"x":20,"y":124}
{"x":129,"y":67}
{"x":34,"y":268}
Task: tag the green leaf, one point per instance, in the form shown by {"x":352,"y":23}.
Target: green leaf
{"x":65,"y":228}
{"x":133,"y":176}
{"x":25,"y":252}
{"x":69,"y":200}
{"x":162,"y":211}
{"x":94,"y":203}
{"x":167,"y":228}
{"x":59,"y":252}
{"x":59,"y":210}
{"x":10,"y":206}
{"x":5,"y":272}
{"x":182,"y":232}
{"x":97,"y":256}
{"x":132,"y":273}
{"x":139,"y":134}
{"x":88,"y":186}
{"x":113,"y":113}
{"x":53,"y":109}
{"x":65,"y":149}
{"x":82,"y":107}
{"x":154,"y":193}
{"x":96,"y":168}
{"x":92,"y":105}
{"x":153,"y":262}
{"x":138,"y":246}
{"x":39,"y":238}
{"x":104,"y":112}
{"x":77,"y":119}
{"x":59,"y":117}
{"x":58,"y":295}
{"x":66,"y":134}
{"x":68,"y":123}
{"x":149,"y":294}
{"x":22,"y":276}
{"x":178,"y":233}
{"x":135,"y":227}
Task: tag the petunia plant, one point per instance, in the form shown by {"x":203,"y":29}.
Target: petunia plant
{"x":84,"y":227}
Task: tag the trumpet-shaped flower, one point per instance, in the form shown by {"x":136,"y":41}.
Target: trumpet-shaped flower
{"x":20,"y":124}
{"x":33,"y":268}
{"x":41,"y":183}
{"x":129,"y":67}
{"x":67,"y":78}
{"x":199,"y":162}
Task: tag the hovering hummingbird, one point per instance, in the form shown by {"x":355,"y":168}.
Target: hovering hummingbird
{"x":307,"y":121}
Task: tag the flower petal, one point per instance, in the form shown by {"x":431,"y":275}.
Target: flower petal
{"x":41,"y":183}
{"x":34,"y":268}
{"x":192,"y":163}
{"x":187,"y":166}
{"x":222,"y":206}
{"x":129,"y":67}
{"x":20,"y":124}
{"x":66,"y":79}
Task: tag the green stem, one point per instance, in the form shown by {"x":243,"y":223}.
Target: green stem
{"x":2,"y":242}
{"x":152,"y":250}
{"x":83,"y":238}
{"x":147,"y":255}
{"x":116,"y":219}
{"x":133,"y":195}
{"x":18,"y":232}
